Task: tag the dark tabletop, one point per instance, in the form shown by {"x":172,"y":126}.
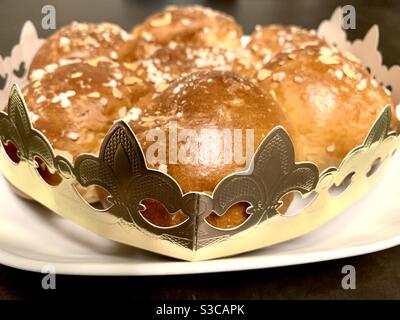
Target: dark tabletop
{"x":378,"y":274}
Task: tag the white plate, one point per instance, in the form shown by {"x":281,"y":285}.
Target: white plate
{"x":32,"y":237}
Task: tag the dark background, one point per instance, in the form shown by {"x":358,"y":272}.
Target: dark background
{"x":378,"y":274}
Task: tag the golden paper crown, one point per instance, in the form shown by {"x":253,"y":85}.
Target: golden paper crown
{"x":121,"y":169}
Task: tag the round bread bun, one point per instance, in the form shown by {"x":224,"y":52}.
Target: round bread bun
{"x":192,"y":25}
{"x":266,"y":42}
{"x":75,"y":104}
{"x":329,"y":97}
{"x":178,"y":60}
{"x":79,"y":41}
{"x":210,"y":100}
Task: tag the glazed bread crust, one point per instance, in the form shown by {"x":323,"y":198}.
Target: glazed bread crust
{"x":76,"y":104}
{"x":171,"y":62}
{"x":193,"y":25}
{"x":213,"y":100}
{"x":329,"y":97}
{"x":77,"y":42}
{"x":267,"y":41}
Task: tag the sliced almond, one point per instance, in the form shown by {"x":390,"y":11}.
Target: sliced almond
{"x":339,"y":74}
{"x":273,"y":94}
{"x":76,"y":75}
{"x":263,"y":74}
{"x":362,"y":85}
{"x":94,"y":94}
{"x":279,"y":76}
{"x":73,"y":136}
{"x":114,"y":55}
{"x":33,"y":117}
{"x":64,"y":41}
{"x":130,"y":66}
{"x":325,"y":51}
{"x":163,"y":21}
{"x":51,"y":67}
{"x":122,"y":112}
{"x":103,"y":101}
{"x":37,"y":74}
{"x":329,"y":59}
{"x":374,"y":83}
{"x":185,"y":21}
{"x":40,"y":99}
{"x":162,"y":86}
{"x":348,"y":71}
{"x":116,"y":93}
{"x":331,"y":148}
{"x":94,"y":62}
{"x":131,"y":80}
{"x":298,"y":79}
{"x":132,"y":115}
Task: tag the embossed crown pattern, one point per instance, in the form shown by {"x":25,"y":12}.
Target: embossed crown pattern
{"x":120,"y":169}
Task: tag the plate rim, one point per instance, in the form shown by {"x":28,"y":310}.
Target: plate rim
{"x":241,"y":262}
{"x":198,"y":267}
